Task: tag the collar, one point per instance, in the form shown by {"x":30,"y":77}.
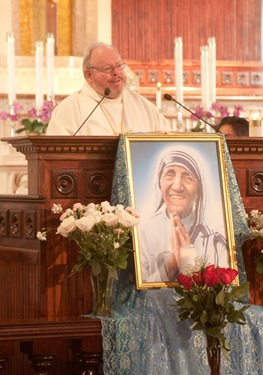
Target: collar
{"x":89,"y":91}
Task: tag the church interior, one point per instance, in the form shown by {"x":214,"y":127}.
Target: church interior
{"x":208,"y":56}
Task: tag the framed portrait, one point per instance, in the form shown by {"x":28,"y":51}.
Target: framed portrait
{"x":179,"y":188}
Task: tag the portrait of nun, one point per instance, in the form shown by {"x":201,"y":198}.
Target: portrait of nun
{"x":181,"y":212}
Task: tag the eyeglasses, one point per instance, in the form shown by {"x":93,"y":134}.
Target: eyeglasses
{"x":109,"y":69}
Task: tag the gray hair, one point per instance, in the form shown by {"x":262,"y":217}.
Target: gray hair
{"x":86,"y":60}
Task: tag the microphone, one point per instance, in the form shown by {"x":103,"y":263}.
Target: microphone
{"x":106,"y":93}
{"x":169,"y":97}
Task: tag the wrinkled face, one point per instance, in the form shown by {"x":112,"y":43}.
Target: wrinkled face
{"x":179,"y":189}
{"x":227,"y":129}
{"x":103,"y":58}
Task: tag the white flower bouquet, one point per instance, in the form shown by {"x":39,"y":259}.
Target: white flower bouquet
{"x":255,"y":223}
{"x":100,"y":231}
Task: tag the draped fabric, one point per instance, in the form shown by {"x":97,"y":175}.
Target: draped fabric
{"x":145,"y":335}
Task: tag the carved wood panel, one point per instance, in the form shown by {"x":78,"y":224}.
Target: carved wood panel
{"x":145,"y":30}
{"x":246,"y":155}
{"x":255,"y":182}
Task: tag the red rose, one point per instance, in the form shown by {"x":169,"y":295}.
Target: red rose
{"x":198,"y":278}
{"x":227,"y":275}
{"x":209,"y":268}
{"x":210,"y":277}
{"x":185,"y":281}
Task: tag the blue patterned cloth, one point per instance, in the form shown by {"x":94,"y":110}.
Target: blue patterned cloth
{"x":145,"y":335}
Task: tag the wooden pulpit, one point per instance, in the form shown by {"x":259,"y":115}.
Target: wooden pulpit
{"x":62,"y":170}
{"x":42,"y":306}
{"x":36,"y":288}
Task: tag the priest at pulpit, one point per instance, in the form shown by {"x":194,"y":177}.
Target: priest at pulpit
{"x":104,"y":106}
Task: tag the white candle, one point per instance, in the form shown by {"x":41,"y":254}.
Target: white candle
{"x":159,"y":97}
{"x":11,"y":67}
{"x":39,"y":75}
{"x":187,"y":257}
{"x":178,"y":57}
{"x":50,"y":47}
{"x":204,"y":77}
{"x":255,"y":123}
{"x":212,"y":69}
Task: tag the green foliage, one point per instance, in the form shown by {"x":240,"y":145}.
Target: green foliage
{"x":101,"y":232}
{"x":32,"y":126}
{"x":96,"y":249}
{"x":255,"y":223}
{"x":259,"y":264}
{"x":211,"y":308}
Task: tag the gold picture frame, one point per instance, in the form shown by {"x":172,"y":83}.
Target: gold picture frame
{"x":179,"y":188}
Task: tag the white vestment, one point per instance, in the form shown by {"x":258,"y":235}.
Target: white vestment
{"x":130,"y":113}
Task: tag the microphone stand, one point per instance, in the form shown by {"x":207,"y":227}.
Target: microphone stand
{"x":169,"y":97}
{"x":106,"y":93}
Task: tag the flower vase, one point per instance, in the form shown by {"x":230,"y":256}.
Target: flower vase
{"x":102,"y":292}
{"x":213,"y":356}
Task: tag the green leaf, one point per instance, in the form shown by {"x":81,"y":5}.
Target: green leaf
{"x":238,"y":291}
{"x":209,"y":301}
{"x":179,"y":290}
{"x":214,"y":331}
{"x":203,"y":317}
{"x":32,"y":126}
{"x":180,"y":302}
{"x":237,"y":316}
{"x":20,"y":130}
{"x":216,"y":316}
{"x":187,"y":304}
{"x":184,"y":315}
{"x":122,"y":265}
{"x":224,"y":344}
{"x":78,"y":268}
{"x":26,"y":122}
{"x":259,"y":264}
{"x":95,"y":268}
{"x":198,"y":327}
{"x":220,"y":297}
{"x":198,"y":128}
{"x":197,"y":312}
{"x":187,"y":301}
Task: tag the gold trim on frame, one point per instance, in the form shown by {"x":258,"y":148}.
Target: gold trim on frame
{"x":142,"y":155}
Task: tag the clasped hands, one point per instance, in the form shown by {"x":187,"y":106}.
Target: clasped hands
{"x":179,"y":238}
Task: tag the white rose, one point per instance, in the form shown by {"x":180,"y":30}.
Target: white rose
{"x":67,"y":226}
{"x":119,"y":207}
{"x":110,"y":219}
{"x":132,"y":211}
{"x":106,"y":207}
{"x":91,"y":207}
{"x":126,"y":219}
{"x":97,"y":216}
{"x":78,"y":207}
{"x":86,"y":223}
{"x":67,"y":213}
{"x":94,"y":212}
